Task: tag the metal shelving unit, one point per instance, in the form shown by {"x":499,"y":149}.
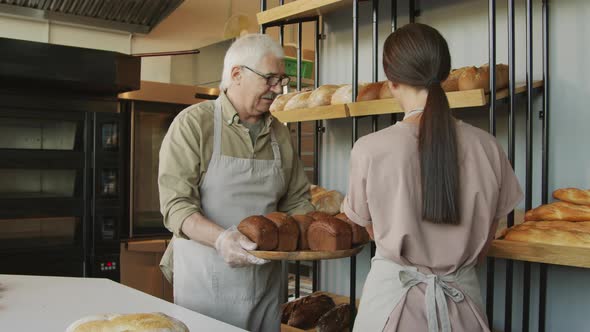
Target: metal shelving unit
{"x":301,"y":11}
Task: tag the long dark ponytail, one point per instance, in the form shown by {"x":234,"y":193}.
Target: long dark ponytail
{"x":418,"y":55}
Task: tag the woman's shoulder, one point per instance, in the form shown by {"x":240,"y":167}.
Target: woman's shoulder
{"x":393,"y":138}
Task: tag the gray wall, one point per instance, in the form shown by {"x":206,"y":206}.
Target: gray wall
{"x":464,"y":24}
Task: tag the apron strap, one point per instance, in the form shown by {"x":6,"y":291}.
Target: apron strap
{"x":436,"y":289}
{"x":275,"y":147}
{"x":216,"y":130}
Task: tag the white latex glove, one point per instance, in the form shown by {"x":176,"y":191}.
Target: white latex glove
{"x":232,"y":246}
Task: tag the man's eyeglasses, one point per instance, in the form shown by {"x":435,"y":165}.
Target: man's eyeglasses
{"x":271,"y":80}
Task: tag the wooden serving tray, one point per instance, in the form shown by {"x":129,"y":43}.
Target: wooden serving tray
{"x":306,"y":255}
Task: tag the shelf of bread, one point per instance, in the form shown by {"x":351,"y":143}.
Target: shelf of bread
{"x":555,"y":233}
{"x":300,"y":9}
{"x":317,"y":309}
{"x":315,"y":113}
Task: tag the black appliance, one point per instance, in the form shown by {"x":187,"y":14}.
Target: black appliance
{"x":62,"y":158}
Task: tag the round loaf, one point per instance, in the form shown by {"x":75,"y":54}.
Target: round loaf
{"x":328,"y":202}
{"x":288,"y":231}
{"x":261,"y":231}
{"x":128,"y":322}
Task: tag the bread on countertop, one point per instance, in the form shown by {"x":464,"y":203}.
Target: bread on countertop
{"x":288,"y":231}
{"x":128,"y":322}
{"x":260,"y":230}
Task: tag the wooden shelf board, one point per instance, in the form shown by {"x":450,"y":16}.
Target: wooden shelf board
{"x":310,"y":114}
{"x":338,"y":299}
{"x":520,"y":88}
{"x":300,"y":9}
{"x":541,"y":253}
{"x":457,"y":99}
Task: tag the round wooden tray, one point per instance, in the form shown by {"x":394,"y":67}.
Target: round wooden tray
{"x":306,"y":255}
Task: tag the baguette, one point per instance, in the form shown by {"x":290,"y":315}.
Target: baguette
{"x":452,"y":82}
{"x":300,"y":100}
{"x":559,"y":211}
{"x":573,"y":195}
{"x":561,"y":233}
{"x":366,"y":91}
{"x":479,"y":78}
{"x":322,"y":95}
{"x":281,"y":100}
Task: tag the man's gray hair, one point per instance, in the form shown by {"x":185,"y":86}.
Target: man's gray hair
{"x":248,"y":50}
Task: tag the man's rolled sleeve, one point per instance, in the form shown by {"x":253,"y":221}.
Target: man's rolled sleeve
{"x":297,"y":198}
{"x":178,"y":174}
{"x":355,"y":205}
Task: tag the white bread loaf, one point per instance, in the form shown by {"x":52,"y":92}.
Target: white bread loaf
{"x":561,"y":233}
{"x":479,"y":78}
{"x":573,"y":195}
{"x":366,"y":91}
{"x":322,"y":95}
{"x":328,"y":202}
{"x":281,"y":100}
{"x":559,"y":211}
{"x":300,"y":100}
{"x":128,"y":322}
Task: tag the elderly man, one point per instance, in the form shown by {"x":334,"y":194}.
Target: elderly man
{"x":222,"y":161}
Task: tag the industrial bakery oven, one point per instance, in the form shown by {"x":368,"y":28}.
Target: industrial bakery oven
{"x":61,"y":158}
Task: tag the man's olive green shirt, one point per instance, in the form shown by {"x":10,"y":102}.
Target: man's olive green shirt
{"x":186,"y":152}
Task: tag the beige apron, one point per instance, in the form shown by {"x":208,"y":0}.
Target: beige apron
{"x":233,"y":189}
{"x":388,"y":282}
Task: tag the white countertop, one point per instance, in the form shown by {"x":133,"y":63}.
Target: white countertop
{"x":50,"y":304}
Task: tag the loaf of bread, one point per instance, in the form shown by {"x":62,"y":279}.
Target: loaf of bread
{"x":298,"y":101}
{"x":561,"y":233}
{"x":573,"y":195}
{"x":335,"y":320}
{"x":288,"y":231}
{"x":328,"y":202}
{"x":303,"y":222}
{"x":260,"y":230}
{"x":366,"y":91}
{"x":128,"y":322}
{"x":318,"y":215}
{"x":322,"y":95}
{"x":281,"y":100}
{"x":479,"y":78}
{"x":559,"y":211}
{"x":329,"y":234}
{"x":359,"y":233}
{"x":384,"y":92}
{"x":314,"y":190}
{"x":452,"y":82}
{"x":305,"y":312}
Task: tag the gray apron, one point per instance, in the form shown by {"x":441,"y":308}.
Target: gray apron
{"x":233,"y":189}
{"x":388,"y":282}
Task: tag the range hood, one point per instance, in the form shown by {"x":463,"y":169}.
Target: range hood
{"x":134,"y":16}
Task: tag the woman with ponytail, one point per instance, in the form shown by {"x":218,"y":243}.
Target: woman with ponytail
{"x":430,"y":190}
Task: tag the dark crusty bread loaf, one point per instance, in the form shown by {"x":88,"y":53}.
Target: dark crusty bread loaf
{"x":260,"y":230}
{"x":288,"y":231}
{"x":335,"y":320}
{"x":306,"y":312}
{"x":317,"y":215}
{"x":359,"y":233}
{"x":303,"y":222}
{"x":329,"y":234}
